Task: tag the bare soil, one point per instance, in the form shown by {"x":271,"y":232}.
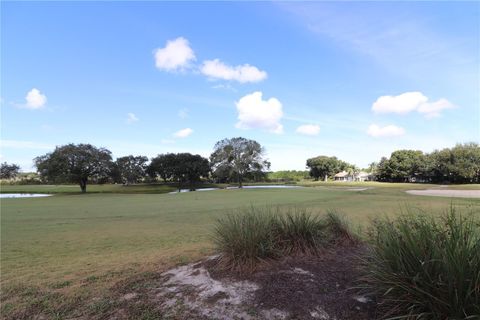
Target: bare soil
{"x":302,"y":287}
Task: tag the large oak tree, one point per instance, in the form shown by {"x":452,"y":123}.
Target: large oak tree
{"x":74,"y":163}
{"x":237,"y":157}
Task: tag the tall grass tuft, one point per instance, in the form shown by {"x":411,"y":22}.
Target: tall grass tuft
{"x":425,"y":268}
{"x":245,"y":238}
{"x":299,"y":232}
{"x":255,"y":235}
{"x":339,"y":228}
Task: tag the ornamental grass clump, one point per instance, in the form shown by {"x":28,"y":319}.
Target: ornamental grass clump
{"x":245,"y":238}
{"x":254,"y":235}
{"x":297,"y":231}
{"x":420,"y":267}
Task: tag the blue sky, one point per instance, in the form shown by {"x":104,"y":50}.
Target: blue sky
{"x":357,"y":80}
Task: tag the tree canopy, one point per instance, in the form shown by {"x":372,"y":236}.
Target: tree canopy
{"x":162,"y":166}
{"x":130,"y":169}
{"x":183,"y":168}
{"x":324,"y":167}
{"x":237,"y":157}
{"x":9,"y":171}
{"x":460,"y":164}
{"x":75,"y":163}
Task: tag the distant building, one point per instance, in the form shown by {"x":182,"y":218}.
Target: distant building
{"x":363,"y":176}
{"x":357,"y":176}
{"x":343,"y":176}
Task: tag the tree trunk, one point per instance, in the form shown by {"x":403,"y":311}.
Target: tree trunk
{"x":326,"y":178}
{"x":240,"y":185}
{"x":83,"y":185}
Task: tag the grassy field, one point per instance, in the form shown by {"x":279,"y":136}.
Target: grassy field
{"x":73,"y":238}
{"x":93,"y":188}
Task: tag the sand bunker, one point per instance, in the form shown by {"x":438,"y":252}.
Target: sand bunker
{"x":446,"y":193}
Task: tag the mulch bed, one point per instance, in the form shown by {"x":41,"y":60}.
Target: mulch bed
{"x":300,"y":284}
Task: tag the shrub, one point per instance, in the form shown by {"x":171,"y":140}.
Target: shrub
{"x":245,"y":238}
{"x":339,"y":228}
{"x":299,"y":232}
{"x":254,"y":235}
{"x":425,"y":268}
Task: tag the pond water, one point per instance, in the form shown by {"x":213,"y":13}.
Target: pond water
{"x":272,"y":186}
{"x":23,"y":195}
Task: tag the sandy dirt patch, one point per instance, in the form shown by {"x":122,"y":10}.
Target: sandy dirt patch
{"x":446,"y":193}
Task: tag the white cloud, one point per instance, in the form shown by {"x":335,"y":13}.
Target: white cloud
{"x":387,"y":131}
{"x":35,"y":99}
{"x":183,"y":133}
{"x":216,"y":69}
{"x":408,"y":102}
{"x":309,"y":129}
{"x":176,"y":55}
{"x":131,"y":118}
{"x":183,"y":113}
{"x":253,"y":113}
{"x":433,"y":109}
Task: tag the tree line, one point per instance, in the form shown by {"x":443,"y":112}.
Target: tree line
{"x":239,"y":159}
{"x":233,"y":160}
{"x":460,"y":164}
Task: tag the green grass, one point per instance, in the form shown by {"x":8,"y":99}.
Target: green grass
{"x":247,"y":238}
{"x":72,"y":243}
{"x":79,"y":235}
{"x":92,"y":188}
{"x":422,"y":267}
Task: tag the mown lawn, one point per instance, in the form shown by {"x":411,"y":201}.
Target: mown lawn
{"x":73,"y":238}
{"x":92,"y":188}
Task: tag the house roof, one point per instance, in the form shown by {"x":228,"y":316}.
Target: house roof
{"x":341,"y":174}
{"x":363,"y":174}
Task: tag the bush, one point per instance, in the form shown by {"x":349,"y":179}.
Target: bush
{"x":339,"y":228}
{"x":245,"y":239}
{"x":425,"y":268}
{"x":254,"y":235}
{"x":299,"y":232}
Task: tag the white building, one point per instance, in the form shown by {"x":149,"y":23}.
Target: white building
{"x":357,"y":176}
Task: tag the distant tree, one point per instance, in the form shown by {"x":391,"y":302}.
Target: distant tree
{"x":162,"y":166}
{"x":238,"y":157}
{"x":324,"y":167}
{"x":382,"y":171}
{"x":289,"y":175}
{"x":189,"y":169}
{"x":131,"y":169}
{"x":372,"y":167}
{"x":9,"y":171}
{"x":75,"y":163}
{"x":460,"y":164}
{"x":405,"y":165}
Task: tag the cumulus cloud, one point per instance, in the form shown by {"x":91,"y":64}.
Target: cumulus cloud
{"x":183,"y":133}
{"x":131,"y":118}
{"x":216,"y":69}
{"x":410,"y":101}
{"x":256,"y":113}
{"x":35,"y":99}
{"x":309,"y":129}
{"x":387,"y":131}
{"x":434,"y":109}
{"x":176,"y":55}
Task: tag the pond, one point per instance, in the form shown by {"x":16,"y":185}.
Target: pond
{"x":271,"y":186}
{"x":23,"y":195}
